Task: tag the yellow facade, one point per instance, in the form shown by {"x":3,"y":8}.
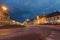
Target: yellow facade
{"x":40,"y":20}
{"x":4,"y":16}
{"x":54,"y":19}
{"x":43,"y":20}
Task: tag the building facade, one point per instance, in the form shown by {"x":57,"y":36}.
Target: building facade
{"x":40,"y":19}
{"x":54,"y":18}
{"x":5,"y":17}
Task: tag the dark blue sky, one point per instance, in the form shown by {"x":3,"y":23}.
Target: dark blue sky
{"x":23,"y":9}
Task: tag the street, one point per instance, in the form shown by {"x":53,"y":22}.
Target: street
{"x":29,"y":33}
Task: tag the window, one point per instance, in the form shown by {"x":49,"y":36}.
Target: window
{"x":57,"y":18}
{"x":54,"y":18}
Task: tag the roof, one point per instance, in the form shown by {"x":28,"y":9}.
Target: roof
{"x":53,"y":14}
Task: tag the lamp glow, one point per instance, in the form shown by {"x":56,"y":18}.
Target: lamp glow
{"x":4,"y":8}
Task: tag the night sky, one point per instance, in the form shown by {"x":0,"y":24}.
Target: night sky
{"x":23,"y":9}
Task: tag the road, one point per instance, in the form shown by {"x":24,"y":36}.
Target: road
{"x":29,"y":33}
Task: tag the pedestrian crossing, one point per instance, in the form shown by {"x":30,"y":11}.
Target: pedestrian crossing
{"x":51,"y":36}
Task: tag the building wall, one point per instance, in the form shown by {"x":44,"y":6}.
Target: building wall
{"x":4,"y":18}
{"x":40,"y":20}
{"x":53,"y":19}
{"x":43,"y":20}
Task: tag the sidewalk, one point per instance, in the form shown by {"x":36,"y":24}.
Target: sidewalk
{"x":56,"y":27}
{"x":11,"y":26}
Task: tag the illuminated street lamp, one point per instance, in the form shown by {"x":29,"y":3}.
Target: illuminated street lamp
{"x":13,"y":21}
{"x":27,"y":20}
{"x":4,"y":8}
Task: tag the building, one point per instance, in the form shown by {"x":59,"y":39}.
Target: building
{"x":26,"y":22}
{"x":5,"y":18}
{"x":40,"y":19}
{"x":4,"y":15}
{"x":14,"y":22}
{"x":29,"y":22}
{"x":54,"y":18}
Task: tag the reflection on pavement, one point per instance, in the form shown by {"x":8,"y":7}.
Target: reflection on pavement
{"x":18,"y":32}
{"x":5,"y":32}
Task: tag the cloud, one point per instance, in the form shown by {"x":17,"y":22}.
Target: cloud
{"x":26,"y":8}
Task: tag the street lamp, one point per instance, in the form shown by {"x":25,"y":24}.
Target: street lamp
{"x":4,"y":8}
{"x":13,"y":21}
{"x":27,"y":19}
